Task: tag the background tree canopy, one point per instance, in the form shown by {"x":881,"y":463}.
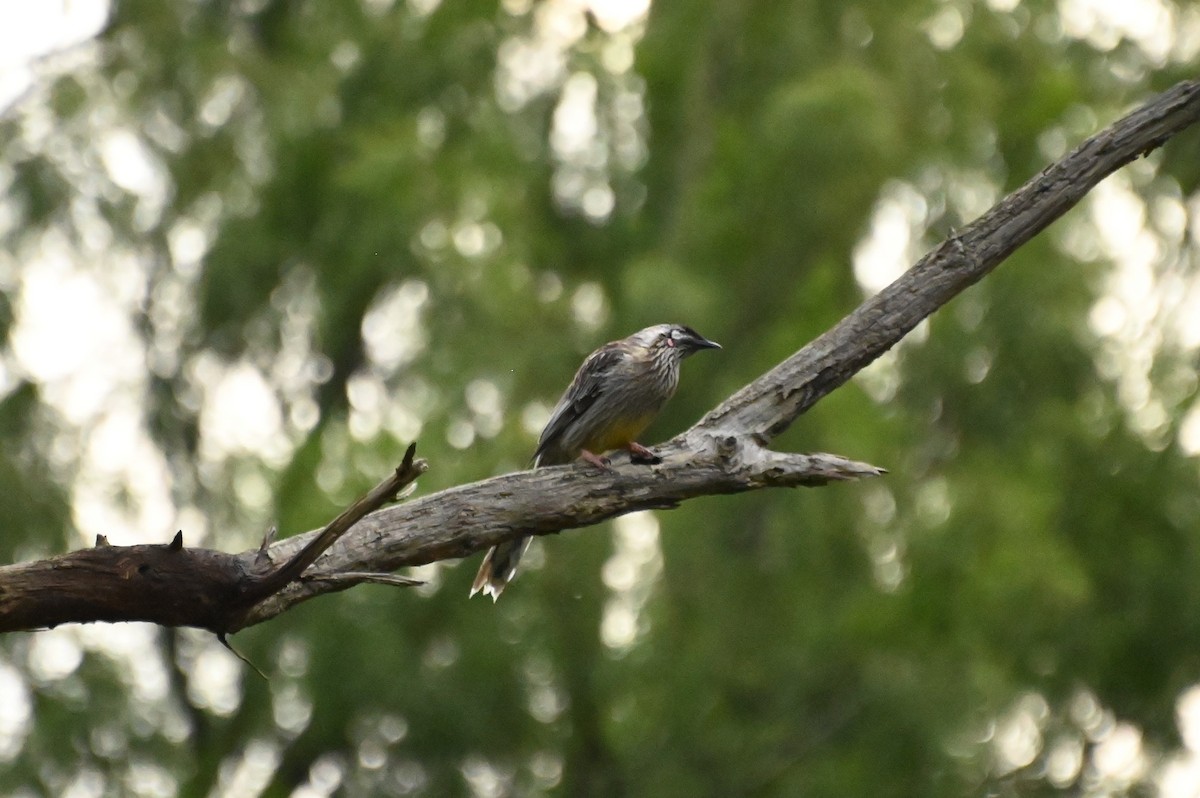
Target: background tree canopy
{"x":252,"y":249}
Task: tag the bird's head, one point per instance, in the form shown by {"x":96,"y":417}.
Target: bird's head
{"x":677,"y":339}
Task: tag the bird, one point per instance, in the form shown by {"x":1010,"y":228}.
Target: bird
{"x":614,"y":396}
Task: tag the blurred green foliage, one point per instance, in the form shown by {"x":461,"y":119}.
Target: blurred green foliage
{"x":446,"y":206}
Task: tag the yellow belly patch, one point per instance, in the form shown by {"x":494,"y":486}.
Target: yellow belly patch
{"x":618,"y":435}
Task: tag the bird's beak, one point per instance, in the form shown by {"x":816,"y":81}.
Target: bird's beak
{"x":700,"y":342}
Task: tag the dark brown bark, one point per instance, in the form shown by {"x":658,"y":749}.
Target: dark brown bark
{"x":724,"y":453}
{"x":171,"y":584}
{"x":167,"y":585}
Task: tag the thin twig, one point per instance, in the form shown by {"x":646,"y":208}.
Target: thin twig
{"x":225,"y":642}
{"x":352,"y":578}
{"x":386,"y":491}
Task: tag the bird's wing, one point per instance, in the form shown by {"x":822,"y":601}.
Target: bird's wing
{"x":580,"y":395}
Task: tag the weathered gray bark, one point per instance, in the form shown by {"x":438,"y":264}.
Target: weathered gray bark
{"x":769,"y":404}
{"x":724,"y":453}
{"x":463,"y":520}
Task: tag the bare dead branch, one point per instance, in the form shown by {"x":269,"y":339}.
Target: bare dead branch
{"x":723,"y":453}
{"x":459,"y":521}
{"x":170,"y":584}
{"x":767,"y":406}
{"x":386,"y":491}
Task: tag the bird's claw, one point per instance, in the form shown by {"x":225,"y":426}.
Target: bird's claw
{"x":603,"y":463}
{"x":640,"y":454}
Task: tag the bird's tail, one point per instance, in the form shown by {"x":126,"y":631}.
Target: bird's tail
{"x":499,"y":567}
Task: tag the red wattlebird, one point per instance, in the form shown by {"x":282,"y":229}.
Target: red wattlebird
{"x":615,"y":395}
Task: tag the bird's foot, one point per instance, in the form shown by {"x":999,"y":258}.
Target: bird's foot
{"x":599,"y":462}
{"x":640,"y":454}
